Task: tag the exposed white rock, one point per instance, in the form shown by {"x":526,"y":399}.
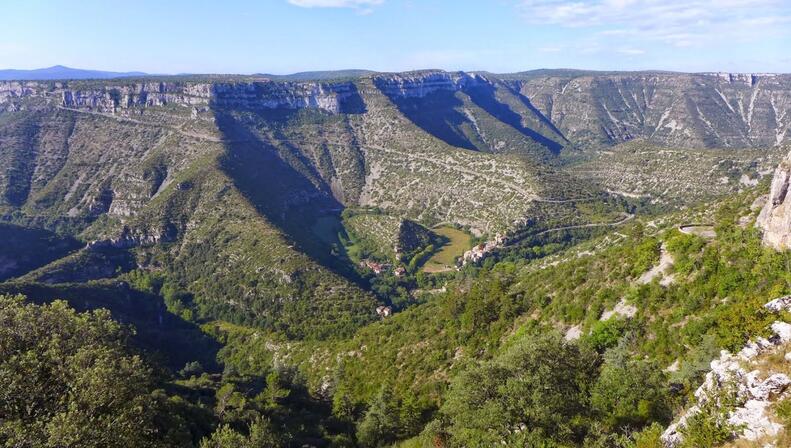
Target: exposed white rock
{"x":753,"y":417}
{"x":665,"y":263}
{"x":779,"y":304}
{"x":420,"y":84}
{"x":759,"y":202}
{"x":621,"y":308}
{"x":748,"y":181}
{"x":770,"y":387}
{"x":754,"y":396}
{"x":673,"y":367}
{"x":775,"y":217}
{"x":783,"y":331}
{"x":573,"y":333}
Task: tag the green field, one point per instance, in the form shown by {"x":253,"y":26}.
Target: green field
{"x":445,"y":258}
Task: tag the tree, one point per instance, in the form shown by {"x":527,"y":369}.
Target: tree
{"x":410,"y":416}
{"x":261,"y":435}
{"x":192,"y":368}
{"x":629,"y":392}
{"x":68,"y":380}
{"x":380,"y":426}
{"x":533,"y":392}
{"x":606,"y":334}
{"x":275,"y":391}
{"x":342,"y":405}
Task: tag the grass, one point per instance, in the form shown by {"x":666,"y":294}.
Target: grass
{"x":444,"y":259}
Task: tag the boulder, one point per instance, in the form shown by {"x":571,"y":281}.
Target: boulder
{"x":779,"y":304}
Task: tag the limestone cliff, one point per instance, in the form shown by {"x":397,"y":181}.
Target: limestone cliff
{"x":586,"y":109}
{"x":775,"y":217}
{"x":675,"y":109}
{"x":420,"y":84}
{"x":116,"y":96}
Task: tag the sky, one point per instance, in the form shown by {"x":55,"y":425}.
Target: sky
{"x":286,"y":36}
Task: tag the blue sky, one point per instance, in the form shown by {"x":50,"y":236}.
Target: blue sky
{"x":283,"y":36}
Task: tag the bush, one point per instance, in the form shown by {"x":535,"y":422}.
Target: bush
{"x":629,"y":392}
{"x":534,"y":391}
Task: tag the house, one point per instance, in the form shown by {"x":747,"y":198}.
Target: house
{"x":384,"y":311}
{"x":378,"y":268}
{"x":480,"y":251}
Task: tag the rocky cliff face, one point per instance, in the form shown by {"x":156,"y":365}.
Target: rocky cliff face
{"x":744,"y":387}
{"x":684,"y":110}
{"x":330,"y":97}
{"x":589,"y":109}
{"x":108,"y":99}
{"x":420,"y":84}
{"x":775,"y":217}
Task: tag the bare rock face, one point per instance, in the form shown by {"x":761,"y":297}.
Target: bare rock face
{"x":264,"y":94}
{"x":737,"y":376}
{"x":775,"y":217}
{"x":420,"y":84}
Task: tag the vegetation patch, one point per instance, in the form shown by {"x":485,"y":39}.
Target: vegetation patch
{"x":458,"y":242}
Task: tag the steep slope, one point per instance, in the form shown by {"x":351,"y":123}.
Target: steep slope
{"x":471,"y":111}
{"x":710,"y":296}
{"x":154,"y":180}
{"x":218,"y":186}
{"x":595,"y":109}
{"x":775,"y":217}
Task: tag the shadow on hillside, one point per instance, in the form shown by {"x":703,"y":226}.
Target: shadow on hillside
{"x":544,"y":119}
{"x":483,"y":95}
{"x":437,"y":113}
{"x":170,"y":339}
{"x":24,"y":249}
{"x":352,"y":102}
{"x":283,"y":186}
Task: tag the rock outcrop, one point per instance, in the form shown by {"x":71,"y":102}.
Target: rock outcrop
{"x":420,"y":84}
{"x":736,"y":376}
{"x":775,"y":216}
{"x":129,"y":238}
{"x":110,"y":97}
{"x":331,"y":97}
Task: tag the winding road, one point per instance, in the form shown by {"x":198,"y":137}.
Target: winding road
{"x":626,"y":218}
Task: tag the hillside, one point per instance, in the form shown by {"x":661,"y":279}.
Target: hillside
{"x":710,"y":110}
{"x":403,"y":259}
{"x":164,"y":175}
{"x":709,"y":296}
{"x":670,"y":177}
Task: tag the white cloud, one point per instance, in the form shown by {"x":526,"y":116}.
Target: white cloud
{"x":365,"y":5}
{"x":678,"y":23}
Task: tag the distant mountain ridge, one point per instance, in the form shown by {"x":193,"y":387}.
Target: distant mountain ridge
{"x":62,"y":72}
{"x":323,"y":75}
